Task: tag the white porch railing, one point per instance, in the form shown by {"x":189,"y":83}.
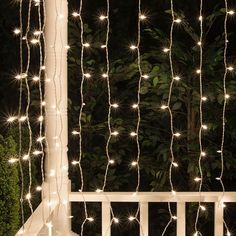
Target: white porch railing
{"x":35,"y":224}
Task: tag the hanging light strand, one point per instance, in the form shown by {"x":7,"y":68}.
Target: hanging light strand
{"x":108,"y":94}
{"x":81,"y":111}
{"x":202,"y":153}
{"x":28,"y":196}
{"x":226,"y":70}
{"x":19,"y":114}
{"x":173,"y":134}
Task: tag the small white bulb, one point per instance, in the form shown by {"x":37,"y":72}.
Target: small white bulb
{"x":204,"y":127}
{"x":131,"y":218}
{"x":133,"y":134}
{"x":200,"y":18}
{"x":38,"y":188}
{"x":163,"y":107}
{"x":175,"y":164}
{"x":40,"y":139}
{"x":99,"y":190}
{"x":116,"y":220}
{"x":173,"y":192}
{"x":165,"y":50}
{"x":177,"y":78}
{"x":134,"y":106}
{"x":178,"y":20}
{"x":230,"y":68}
{"x":197,"y":179}
{"x":16,"y":31}
{"x":28,"y":196}
{"x":177,"y":134}
{"x":111,"y":162}
{"x":86,"y":45}
{"x":25,"y":157}
{"x":103,"y":46}
{"x":35,"y":78}
{"x":204,"y":99}
{"x":227,"y":96}
{"x":90,"y":219}
{"x":145,"y":76}
{"x":218,"y":151}
{"x":37,"y":32}
{"x":114,"y":105}
{"x":75,"y":132}
{"x":133,"y":47}
{"x":34,"y":41}
{"x":142,"y":17}
{"x":114,"y":133}
{"x":11,"y":119}
{"x":198,"y":71}
{"x":134,"y":163}
{"x":75,"y":14}
{"x":102,"y":17}
{"x":40,"y":119}
{"x":231,"y":12}
{"x":22,"y":118}
{"x":199,"y":43}
{"x":87,"y":75}
{"x":104,"y":75}
{"x":74,"y":162}
{"x":203,"y":208}
{"x":37,"y":152}
{"x":174,"y":217}
{"x":203,"y":154}
{"x":12,"y":160}
{"x":67,"y":47}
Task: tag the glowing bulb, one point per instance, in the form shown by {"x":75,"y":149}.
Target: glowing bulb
{"x":197,"y":179}
{"x":203,"y":208}
{"x":35,"y":78}
{"x":37,"y":33}
{"x":12,"y":160}
{"x":134,"y":106}
{"x":99,"y":190}
{"x":37,"y":152}
{"x":204,"y":99}
{"x":102,"y":17}
{"x":38,"y":188}
{"x":133,"y":47}
{"x":114,"y":105}
{"x":67,"y":47}
{"x":25,"y":157}
{"x":199,"y":43}
{"x":175,"y":164}
{"x":111,"y":161}
{"x":74,"y":132}
{"x":104,"y":75}
{"x":231,"y":12}
{"x":174,"y":217}
{"x":178,"y":20}
{"x":227,"y":96}
{"x":103,"y":46}
{"x":173,"y":192}
{"x":228,"y":233}
{"x":40,"y":139}
{"x":230,"y":68}
{"x":11,"y":119}
{"x":177,"y":78}
{"x":203,"y":154}
{"x":49,"y":224}
{"x":198,"y":71}
{"x":133,"y":134}
{"x":131,"y":218}
{"x":87,"y":75}
{"x":90,"y":219}
{"x":200,"y":18}
{"x":177,"y":134}
{"x":86,"y":45}
{"x":43,"y":67}
{"x":204,"y":127}
{"x":165,"y":50}
{"x":116,"y":220}
{"x":34,"y":41}
{"x":74,"y":162}
{"x":16,"y":31}
{"x":218,"y":178}
{"x":142,"y":17}
{"x":114,"y":133}
{"x":40,"y":119}
{"x":75,"y":14}
{"x":134,"y":163}
{"x":22,"y":118}
{"x":163,"y":107}
{"x":218,"y":151}
{"x":28,"y":196}
{"x":145,"y":76}
{"x":18,"y":77}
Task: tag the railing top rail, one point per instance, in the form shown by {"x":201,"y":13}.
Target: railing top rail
{"x":152,"y":197}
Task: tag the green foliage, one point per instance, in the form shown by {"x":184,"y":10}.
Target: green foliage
{"x":9,"y":188}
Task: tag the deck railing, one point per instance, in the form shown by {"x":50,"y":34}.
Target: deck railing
{"x":36,"y":223}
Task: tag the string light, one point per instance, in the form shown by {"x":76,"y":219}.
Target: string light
{"x":75,"y":14}
{"x":17,"y":31}
{"x":167,"y":106}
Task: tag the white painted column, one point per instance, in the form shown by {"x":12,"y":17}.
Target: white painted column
{"x":181,"y":219}
{"x":57,"y":185}
{"x":106,"y":219}
{"x":143,"y":219}
{"x":219,"y":223}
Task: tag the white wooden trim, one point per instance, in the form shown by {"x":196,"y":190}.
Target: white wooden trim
{"x":106,"y":219}
{"x":144,"y":219}
{"x":219,"y":225}
{"x":151,"y":197}
{"x":181,"y":219}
